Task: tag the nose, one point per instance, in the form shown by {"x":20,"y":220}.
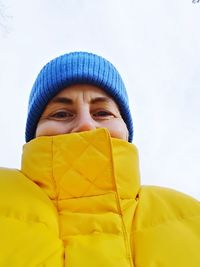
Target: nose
{"x":84,"y":122}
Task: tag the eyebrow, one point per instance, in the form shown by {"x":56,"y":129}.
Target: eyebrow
{"x":69,"y":101}
{"x":62,"y":100}
{"x":100,"y":99}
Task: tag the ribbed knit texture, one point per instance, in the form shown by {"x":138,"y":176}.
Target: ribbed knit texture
{"x":76,"y":68}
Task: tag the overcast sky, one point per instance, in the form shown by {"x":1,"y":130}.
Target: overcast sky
{"x":154,"y":44}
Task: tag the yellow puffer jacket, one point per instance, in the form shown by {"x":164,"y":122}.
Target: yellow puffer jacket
{"x":77,"y":202}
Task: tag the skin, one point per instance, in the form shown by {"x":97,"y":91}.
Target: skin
{"x":81,"y":108}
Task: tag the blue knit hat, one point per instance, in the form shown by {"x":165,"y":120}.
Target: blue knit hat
{"x":76,"y":68}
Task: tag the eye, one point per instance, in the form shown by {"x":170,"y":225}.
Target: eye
{"x":61,"y":115}
{"x":101,"y":114}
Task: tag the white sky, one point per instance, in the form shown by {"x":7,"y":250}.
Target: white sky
{"x":154,"y":44}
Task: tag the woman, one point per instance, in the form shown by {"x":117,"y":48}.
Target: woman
{"x":77,"y":200}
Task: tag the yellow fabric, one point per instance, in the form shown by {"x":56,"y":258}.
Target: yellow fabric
{"x":77,"y":202}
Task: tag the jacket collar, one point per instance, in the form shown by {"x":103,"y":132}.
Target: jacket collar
{"x":82,"y":165}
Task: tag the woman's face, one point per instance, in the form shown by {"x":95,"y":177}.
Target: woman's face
{"x":81,"y":108}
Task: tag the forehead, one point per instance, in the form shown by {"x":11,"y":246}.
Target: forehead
{"x":83,"y":90}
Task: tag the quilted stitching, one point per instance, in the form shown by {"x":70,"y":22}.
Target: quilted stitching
{"x":78,"y":177}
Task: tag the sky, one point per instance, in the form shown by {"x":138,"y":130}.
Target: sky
{"x":154,"y":44}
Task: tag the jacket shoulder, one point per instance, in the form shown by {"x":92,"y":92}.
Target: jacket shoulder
{"x":159,"y":205}
{"x":22,"y":199}
{"x":15,"y":182}
{"x":7,"y":172}
{"x":11,"y":180}
{"x":166,"y":228}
